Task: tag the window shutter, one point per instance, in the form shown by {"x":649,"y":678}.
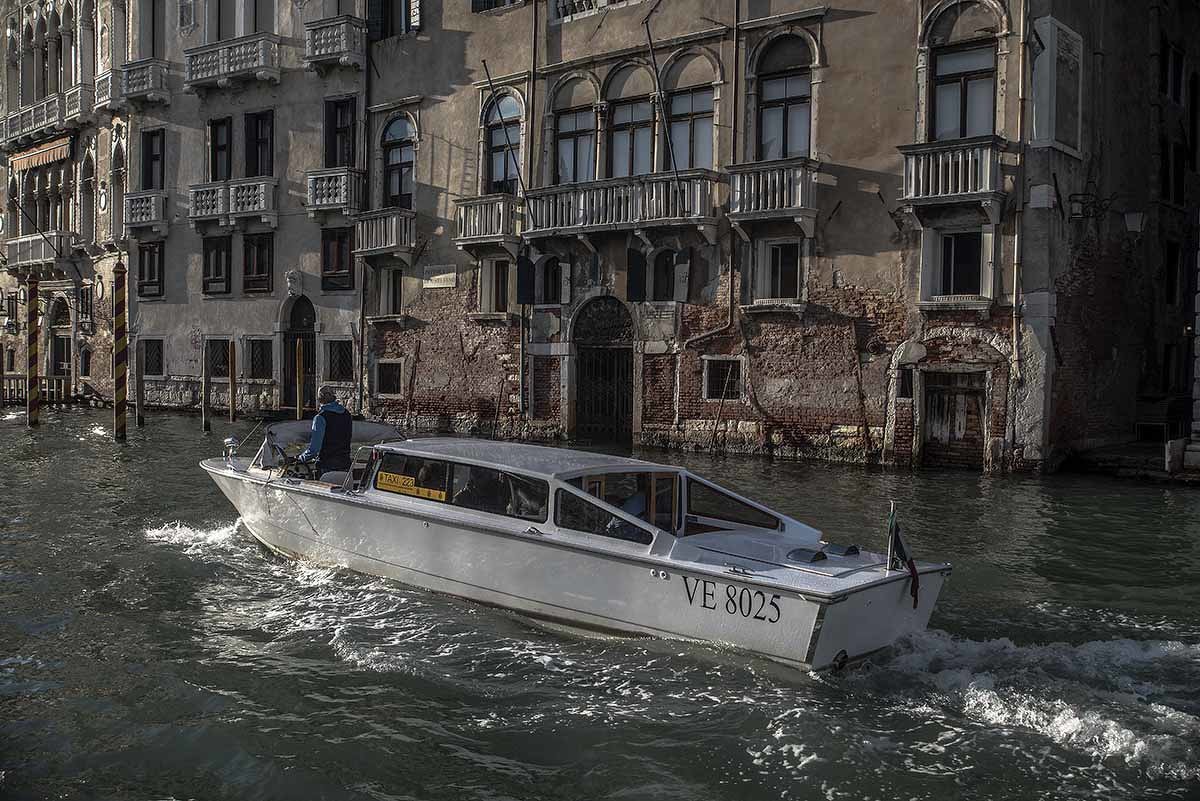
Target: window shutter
{"x":375,"y":19}
{"x":414,"y":15}
{"x":526,"y":281}
{"x":565,"y":275}
{"x":635,"y":277}
{"x":330,"y":133}
{"x":251,"y":150}
{"x":683,"y":269}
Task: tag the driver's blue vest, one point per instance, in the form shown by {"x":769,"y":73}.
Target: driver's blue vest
{"x":335,"y":448}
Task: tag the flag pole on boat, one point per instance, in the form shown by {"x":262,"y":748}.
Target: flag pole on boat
{"x":891,"y":522}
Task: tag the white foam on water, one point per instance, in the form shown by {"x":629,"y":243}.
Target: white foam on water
{"x":194,"y":541}
{"x":1095,"y":698}
{"x":98,"y":431}
{"x":12,"y":416}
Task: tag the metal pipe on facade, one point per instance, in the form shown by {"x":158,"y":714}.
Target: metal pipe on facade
{"x":1020,"y":211}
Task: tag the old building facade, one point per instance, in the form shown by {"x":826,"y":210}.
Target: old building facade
{"x":934,"y":232}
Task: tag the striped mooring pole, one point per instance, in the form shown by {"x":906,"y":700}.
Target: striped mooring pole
{"x":120,"y":352}
{"x":33,"y":383}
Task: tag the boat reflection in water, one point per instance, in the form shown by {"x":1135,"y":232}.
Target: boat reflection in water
{"x":590,"y":540}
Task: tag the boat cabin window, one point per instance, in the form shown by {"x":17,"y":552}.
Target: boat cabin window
{"x":650,"y":497}
{"x":580,"y":514}
{"x":720,"y":510}
{"x":500,"y":493}
{"x":413,"y":476}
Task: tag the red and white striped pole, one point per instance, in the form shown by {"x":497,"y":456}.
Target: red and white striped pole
{"x":33,"y":383}
{"x":120,"y":352}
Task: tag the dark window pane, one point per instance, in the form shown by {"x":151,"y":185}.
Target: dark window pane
{"x":152,"y":355}
{"x":217,"y":357}
{"x":391,"y":378}
{"x":262,"y":357}
{"x":579,"y":514}
{"x":724,"y":379}
{"x":412,"y":476}
{"x":705,"y":501}
{"x":341,"y":360}
{"x":497,"y":492}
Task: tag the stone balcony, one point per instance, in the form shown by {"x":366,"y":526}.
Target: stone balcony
{"x":335,"y":190}
{"x":146,"y":211}
{"x":108,"y":95}
{"x":222,"y":64}
{"x":961,"y":171}
{"x":225,"y":202}
{"x":45,"y":117}
{"x":37,"y":253}
{"x":79,"y":105}
{"x":782,"y":189}
{"x":386,"y":232}
{"x":488,"y":221}
{"x":658,"y":200}
{"x":335,"y":42}
{"x":145,"y":81}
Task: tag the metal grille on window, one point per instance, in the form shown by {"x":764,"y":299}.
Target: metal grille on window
{"x":724,"y":379}
{"x":341,"y":360}
{"x":262,"y":359}
{"x":217,"y":356}
{"x":391,"y":378}
{"x":152,"y":357}
{"x":488,"y":5}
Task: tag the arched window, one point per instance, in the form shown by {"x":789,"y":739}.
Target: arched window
{"x":85,"y":362}
{"x":963,"y":92}
{"x":399,"y":147}
{"x":784,"y":100}
{"x":631,"y":132}
{"x":87,"y":200}
{"x":692,"y":128}
{"x":503,"y":146}
{"x":575,"y":132}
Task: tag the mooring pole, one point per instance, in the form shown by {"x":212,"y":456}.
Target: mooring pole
{"x":299,"y":379}
{"x":139,"y":387}
{"x":232,"y":380}
{"x":205,"y":391}
{"x":33,"y":386}
{"x":120,"y":352}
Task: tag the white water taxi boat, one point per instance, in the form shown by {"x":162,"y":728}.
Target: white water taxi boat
{"x":584,"y":539}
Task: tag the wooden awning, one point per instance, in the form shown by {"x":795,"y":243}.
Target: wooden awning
{"x":58,"y":150}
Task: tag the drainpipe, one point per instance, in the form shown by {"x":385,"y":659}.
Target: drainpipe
{"x":1020,"y":212}
{"x":362,"y":293}
{"x":532,"y":151}
{"x":735,"y":247}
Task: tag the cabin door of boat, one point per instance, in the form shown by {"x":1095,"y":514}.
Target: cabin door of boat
{"x":300,"y":334}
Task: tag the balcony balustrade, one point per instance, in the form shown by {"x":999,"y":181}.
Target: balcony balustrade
{"x":208,"y":202}
{"x":79,"y":104}
{"x":220,"y":64}
{"x":614,"y":204}
{"x":339,"y":41}
{"x":335,"y":189}
{"x":108,"y":95}
{"x":35,"y":251}
{"x":386,"y":232}
{"x":774,"y":190}
{"x":146,"y":210}
{"x":225,"y":202}
{"x":146,"y":81}
{"x":949,"y":171}
{"x":37,"y":119}
{"x":488,"y":220}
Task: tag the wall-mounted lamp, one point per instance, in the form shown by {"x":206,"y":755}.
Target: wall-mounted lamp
{"x":1135,"y":221}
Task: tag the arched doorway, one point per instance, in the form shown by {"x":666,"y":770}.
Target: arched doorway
{"x":59,"y":325}
{"x":603,"y":339}
{"x":300,"y":333}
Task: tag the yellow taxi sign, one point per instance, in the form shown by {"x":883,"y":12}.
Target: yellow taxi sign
{"x":406,"y":485}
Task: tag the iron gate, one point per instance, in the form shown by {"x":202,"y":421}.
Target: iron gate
{"x":604,"y":394}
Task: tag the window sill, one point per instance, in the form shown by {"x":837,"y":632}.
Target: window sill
{"x":392,"y":319}
{"x":492,"y":318}
{"x":216,"y":296}
{"x":350,"y":291}
{"x":257,"y":381}
{"x":151,"y":298}
{"x":956,"y":303}
{"x":774,"y":306}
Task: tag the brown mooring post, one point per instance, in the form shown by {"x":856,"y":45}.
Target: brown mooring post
{"x":205,"y":391}
{"x":299,"y":379}
{"x":232,"y":381}
{"x":139,"y":387}
{"x":33,"y":384}
{"x":120,"y":352}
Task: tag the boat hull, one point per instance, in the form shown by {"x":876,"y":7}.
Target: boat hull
{"x":554,"y":577}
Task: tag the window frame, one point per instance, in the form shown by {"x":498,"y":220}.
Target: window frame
{"x":150,"y":286}
{"x":217,"y":250}
{"x":258,"y":280}
{"x":220,"y":157}
{"x":614,"y":127}
{"x":740,"y":395}
{"x":162,"y":356}
{"x":269,"y":344}
{"x":340,"y":146}
{"x":963,"y":79}
{"x":573,"y":137}
{"x":763,"y":289}
{"x":153,"y":163}
{"x":209,"y":350}
{"x":509,"y":146}
{"x":940,"y":288}
{"x":785,"y":104}
{"x":330,"y":343}
{"x":690,"y":118}
{"x":564,"y":488}
{"x":260,"y":145}
{"x":339,"y":280}
{"x":402,"y":200}
{"x":398,"y":363}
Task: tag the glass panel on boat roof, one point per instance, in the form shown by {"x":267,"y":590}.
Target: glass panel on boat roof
{"x":709,"y":502}
{"x":485,"y":489}
{"x":579,"y":514}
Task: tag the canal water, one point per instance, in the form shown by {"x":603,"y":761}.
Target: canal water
{"x":149,"y":649}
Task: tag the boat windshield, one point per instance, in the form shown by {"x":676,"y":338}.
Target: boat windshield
{"x":710,"y":509}
{"x":650,"y":497}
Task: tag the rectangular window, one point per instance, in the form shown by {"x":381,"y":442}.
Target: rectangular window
{"x":262,"y":359}
{"x":905,"y":389}
{"x":217,"y":251}
{"x":504,"y":144}
{"x":1171,"y":273}
{"x":391,"y":378}
{"x":10,"y":360}
{"x":85,"y":362}
{"x":150,"y":270}
{"x":339,"y":360}
{"x":576,"y":142}
{"x":499,"y":286}
{"x":86,"y":302}
{"x":486,"y":490}
{"x":260,"y":144}
{"x":783,"y":271}
{"x":339,"y":132}
{"x":395,"y":292}
{"x":964,"y":93}
{"x":1179,"y":160}
{"x":216,"y":355}
{"x":630,"y":139}
{"x":10,"y":306}
{"x":692,"y":130}
{"x":152,"y":357}
{"x":258,"y":262}
{"x":412,"y":476}
{"x":336,"y":262}
{"x":962,"y":260}
{"x":220,"y":149}
{"x":399,"y":159}
{"x":579,"y":514}
{"x":152,"y":159}
{"x":722,"y":379}
{"x":784,"y":115}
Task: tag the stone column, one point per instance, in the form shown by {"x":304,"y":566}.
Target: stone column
{"x":53,"y":67}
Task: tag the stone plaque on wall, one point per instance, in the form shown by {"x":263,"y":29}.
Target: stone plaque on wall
{"x":440,"y":276}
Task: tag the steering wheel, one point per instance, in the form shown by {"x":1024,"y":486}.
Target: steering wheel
{"x":294,"y":468}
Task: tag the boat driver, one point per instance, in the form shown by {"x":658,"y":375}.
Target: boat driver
{"x":329,"y":443}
